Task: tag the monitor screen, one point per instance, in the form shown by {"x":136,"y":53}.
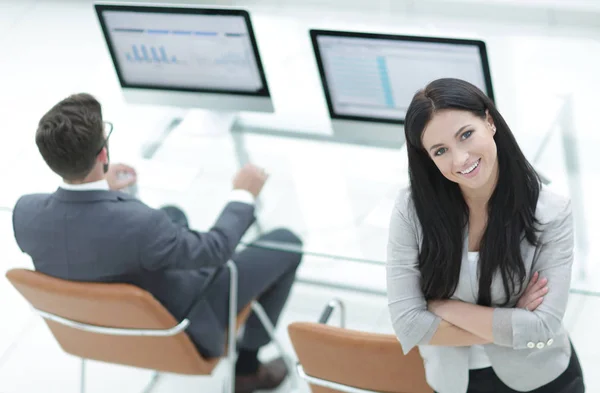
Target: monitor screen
{"x":373,"y":77}
{"x":183,"y":49}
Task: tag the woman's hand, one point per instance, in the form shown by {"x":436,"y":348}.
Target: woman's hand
{"x":534,"y":293}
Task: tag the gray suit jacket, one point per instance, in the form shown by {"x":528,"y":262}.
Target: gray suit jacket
{"x":530,"y":349}
{"x":109,"y":236}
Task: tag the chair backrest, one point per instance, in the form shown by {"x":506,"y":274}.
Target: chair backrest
{"x":115,"y":306}
{"x":361,"y":360}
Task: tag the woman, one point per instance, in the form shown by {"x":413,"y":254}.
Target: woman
{"x":479,"y":253}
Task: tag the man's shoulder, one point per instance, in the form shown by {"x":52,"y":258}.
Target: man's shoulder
{"x":31,"y":199}
{"x":115,"y":201}
{"x":35,"y":197}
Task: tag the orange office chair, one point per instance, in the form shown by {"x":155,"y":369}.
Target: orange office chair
{"x":335,"y":359}
{"x":123,"y":324}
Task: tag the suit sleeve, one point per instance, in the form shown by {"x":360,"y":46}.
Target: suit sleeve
{"x":412,"y":322}
{"x":15,"y":219}
{"x":167,"y":245}
{"x":513,"y":327}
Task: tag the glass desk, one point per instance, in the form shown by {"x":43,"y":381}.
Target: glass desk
{"x":337,"y":197}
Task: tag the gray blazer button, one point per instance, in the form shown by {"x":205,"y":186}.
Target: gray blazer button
{"x":530,"y":345}
{"x":550,"y":342}
{"x":541,"y":345}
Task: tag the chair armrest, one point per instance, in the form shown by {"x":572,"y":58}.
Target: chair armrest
{"x":331,"y":306}
{"x":543,"y":178}
{"x":86,"y":327}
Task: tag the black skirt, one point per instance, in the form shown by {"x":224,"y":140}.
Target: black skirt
{"x":485,"y":380}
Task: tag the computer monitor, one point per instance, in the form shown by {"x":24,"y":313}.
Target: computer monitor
{"x":185,"y":56}
{"x":369,"y":79}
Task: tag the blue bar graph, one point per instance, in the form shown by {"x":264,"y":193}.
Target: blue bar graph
{"x":163,"y":53}
{"x":385,"y":81}
{"x":136,"y":54}
{"x":155,"y":55}
{"x":145,"y":53}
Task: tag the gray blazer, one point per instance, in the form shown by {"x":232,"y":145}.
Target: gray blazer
{"x":109,"y":236}
{"x":530,"y":349}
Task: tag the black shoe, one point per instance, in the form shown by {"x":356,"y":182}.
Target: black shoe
{"x":269,"y":376}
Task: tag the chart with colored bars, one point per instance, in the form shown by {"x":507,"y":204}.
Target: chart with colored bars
{"x":186,"y":58}
{"x":377,"y":78}
{"x":361,"y":80}
{"x":143,"y":54}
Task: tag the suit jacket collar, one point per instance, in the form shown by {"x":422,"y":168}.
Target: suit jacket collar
{"x":89,"y":195}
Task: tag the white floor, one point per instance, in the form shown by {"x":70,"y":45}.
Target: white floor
{"x":54,"y":48}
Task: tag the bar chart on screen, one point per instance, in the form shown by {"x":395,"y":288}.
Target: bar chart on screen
{"x":144,"y":54}
{"x":360,"y":80}
{"x":193,"y":49}
{"x":182,"y":47}
{"x":180,"y":53}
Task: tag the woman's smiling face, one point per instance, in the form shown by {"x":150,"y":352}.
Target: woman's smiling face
{"x":462,"y":147}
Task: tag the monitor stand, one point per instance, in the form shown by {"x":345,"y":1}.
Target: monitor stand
{"x":197,"y":122}
{"x":353,"y":133}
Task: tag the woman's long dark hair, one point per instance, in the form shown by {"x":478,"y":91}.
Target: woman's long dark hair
{"x":442,"y":210}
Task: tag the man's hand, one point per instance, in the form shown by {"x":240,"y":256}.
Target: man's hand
{"x":250,"y":178}
{"x":120,"y":176}
{"x":534,"y":294}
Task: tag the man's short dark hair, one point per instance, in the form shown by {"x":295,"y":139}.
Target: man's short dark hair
{"x":70,"y":135}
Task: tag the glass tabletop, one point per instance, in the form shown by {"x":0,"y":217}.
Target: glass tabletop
{"x":336,"y":197}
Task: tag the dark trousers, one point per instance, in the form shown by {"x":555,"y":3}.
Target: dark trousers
{"x":485,"y":380}
{"x":264,"y":275}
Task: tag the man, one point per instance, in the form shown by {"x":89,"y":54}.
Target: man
{"x":88,"y":231}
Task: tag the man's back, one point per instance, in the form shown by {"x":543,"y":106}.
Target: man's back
{"x":85,"y":232}
{"x":108,"y":236}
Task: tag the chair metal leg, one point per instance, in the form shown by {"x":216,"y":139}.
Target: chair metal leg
{"x":232,"y":331}
{"x":82,"y":377}
{"x":268,"y":325}
{"x":155,"y":377}
{"x":229,"y":386}
{"x":153,"y":380}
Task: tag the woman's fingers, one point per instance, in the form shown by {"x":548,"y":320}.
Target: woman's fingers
{"x":532,"y":281}
{"x":540,"y":284}
{"x":540,"y":292}
{"x":535,"y":304}
{"x":533,"y":295}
